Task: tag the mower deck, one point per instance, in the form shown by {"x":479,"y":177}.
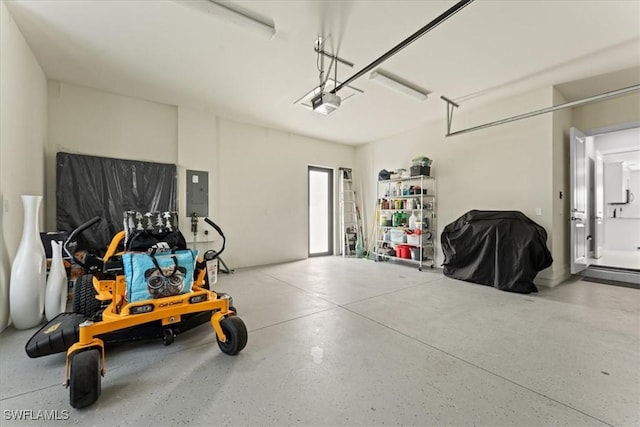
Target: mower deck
{"x":63,"y":331}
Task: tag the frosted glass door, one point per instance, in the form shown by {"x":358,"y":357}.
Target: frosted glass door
{"x":320,"y":211}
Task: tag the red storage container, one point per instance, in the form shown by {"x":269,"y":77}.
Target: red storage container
{"x":403,"y":251}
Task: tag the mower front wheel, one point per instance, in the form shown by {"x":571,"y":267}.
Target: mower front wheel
{"x":168,"y":336}
{"x":236,"y":332}
{"x":84,"y":378}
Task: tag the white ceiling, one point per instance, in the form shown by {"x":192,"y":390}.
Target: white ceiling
{"x":166,"y":52}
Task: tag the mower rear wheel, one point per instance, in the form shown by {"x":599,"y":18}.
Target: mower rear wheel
{"x":236,"y":332}
{"x":84,"y":297}
{"x":85,"y":378}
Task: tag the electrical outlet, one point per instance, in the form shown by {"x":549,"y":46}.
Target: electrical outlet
{"x":538,"y":211}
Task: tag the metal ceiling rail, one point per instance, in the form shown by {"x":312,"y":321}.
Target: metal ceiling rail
{"x":422,"y":31}
{"x":335,"y":57}
{"x":451,"y":105}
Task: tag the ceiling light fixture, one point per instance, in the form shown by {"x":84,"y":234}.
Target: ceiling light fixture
{"x":399,"y":85}
{"x":233,"y":14}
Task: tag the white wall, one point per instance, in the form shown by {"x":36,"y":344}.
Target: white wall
{"x":88,"y":121}
{"x":263,"y":193}
{"x":257,"y":175}
{"x":610,"y":112}
{"x":197,"y":150}
{"x":23,"y":135}
{"x":507,"y":167}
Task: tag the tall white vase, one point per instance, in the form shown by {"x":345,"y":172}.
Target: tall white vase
{"x":55,"y":298}
{"x":28,"y":271}
{"x":5,"y":268}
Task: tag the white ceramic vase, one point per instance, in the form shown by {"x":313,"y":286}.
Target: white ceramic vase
{"x":55,"y":298}
{"x":5,"y":268}
{"x":28,"y":271}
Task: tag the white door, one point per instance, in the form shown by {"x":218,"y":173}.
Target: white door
{"x":598,"y":233}
{"x":578,"y":217}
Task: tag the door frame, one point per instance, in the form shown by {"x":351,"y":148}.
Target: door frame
{"x":330,"y":213}
{"x":611,"y":274}
{"x":598,"y":206}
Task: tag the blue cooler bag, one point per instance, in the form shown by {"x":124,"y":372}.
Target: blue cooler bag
{"x":159,"y":275}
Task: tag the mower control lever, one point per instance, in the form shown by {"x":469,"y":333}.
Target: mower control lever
{"x":77,"y":232}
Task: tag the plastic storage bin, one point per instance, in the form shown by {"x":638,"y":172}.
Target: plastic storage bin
{"x":420,"y":170}
{"x":398,"y":236}
{"x":414,"y":239}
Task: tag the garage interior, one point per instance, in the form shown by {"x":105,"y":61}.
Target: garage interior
{"x":337,"y":340}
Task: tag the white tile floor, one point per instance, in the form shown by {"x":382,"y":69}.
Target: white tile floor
{"x":336,"y":341}
{"x":619,"y":259}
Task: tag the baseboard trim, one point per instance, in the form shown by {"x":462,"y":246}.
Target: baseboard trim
{"x":557,"y":276}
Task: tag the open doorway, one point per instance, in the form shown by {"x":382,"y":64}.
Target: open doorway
{"x":605,"y":217}
{"x":320,"y":211}
{"x":616,"y":177}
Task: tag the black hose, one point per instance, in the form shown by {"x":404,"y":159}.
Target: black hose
{"x":219,"y":230}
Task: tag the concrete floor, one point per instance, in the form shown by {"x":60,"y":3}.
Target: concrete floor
{"x":336,"y":341}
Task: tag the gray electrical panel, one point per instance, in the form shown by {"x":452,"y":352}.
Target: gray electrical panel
{"x":197,"y":193}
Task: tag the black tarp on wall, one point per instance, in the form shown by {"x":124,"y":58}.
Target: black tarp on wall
{"x":503,"y":249}
{"x":89,"y":186}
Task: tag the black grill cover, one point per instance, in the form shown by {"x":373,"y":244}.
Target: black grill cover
{"x":503,"y":249}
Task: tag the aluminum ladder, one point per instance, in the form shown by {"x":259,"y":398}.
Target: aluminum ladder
{"x":351,"y":236}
